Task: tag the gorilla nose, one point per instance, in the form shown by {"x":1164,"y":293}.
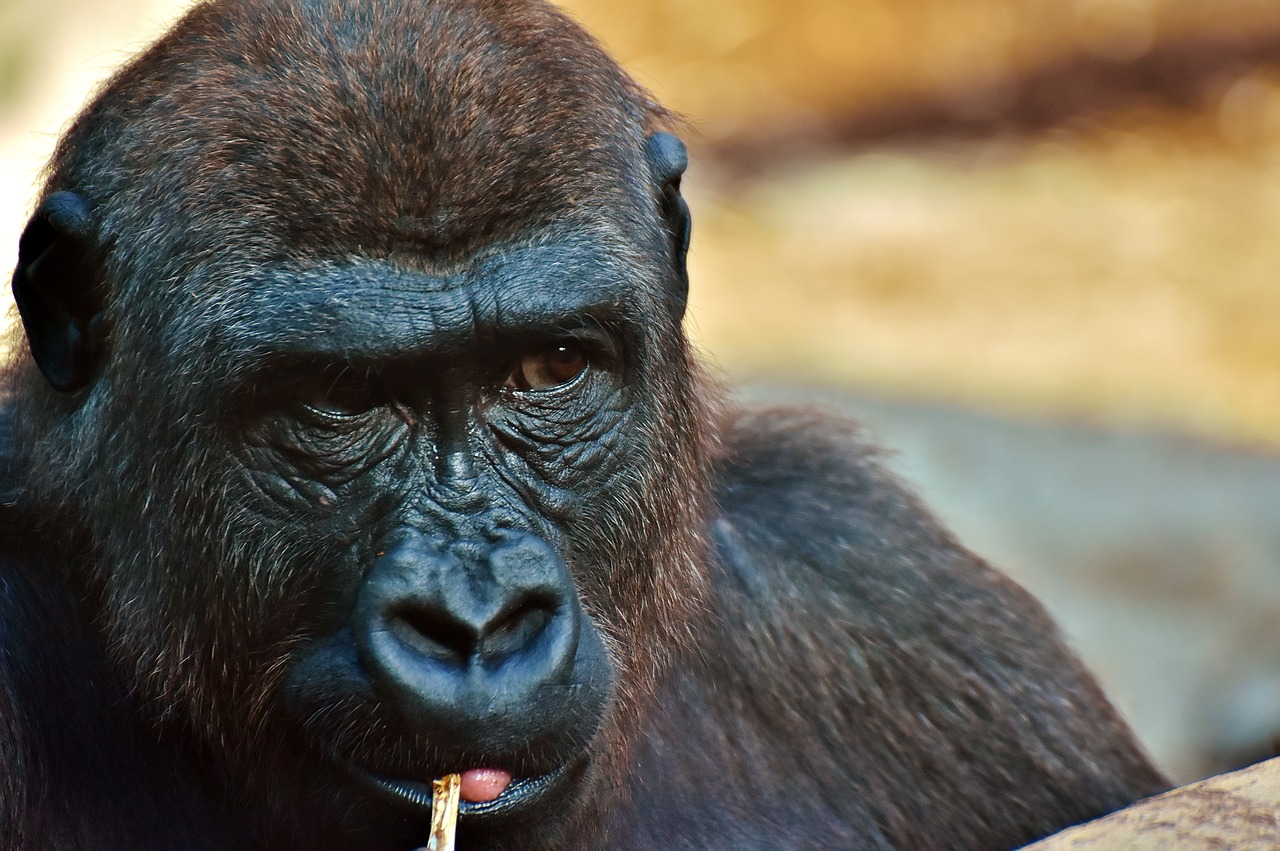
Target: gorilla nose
{"x":475,"y":632}
{"x":465,"y":629}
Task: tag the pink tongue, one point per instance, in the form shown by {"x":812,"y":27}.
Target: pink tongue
{"x":481,"y":785}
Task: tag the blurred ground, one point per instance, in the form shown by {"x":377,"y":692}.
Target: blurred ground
{"x":1045,"y":210}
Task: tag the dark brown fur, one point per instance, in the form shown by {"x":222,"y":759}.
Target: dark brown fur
{"x":804,"y":658}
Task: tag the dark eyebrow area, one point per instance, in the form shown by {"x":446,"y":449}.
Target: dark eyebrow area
{"x":403,"y":325}
{"x":373,"y":311}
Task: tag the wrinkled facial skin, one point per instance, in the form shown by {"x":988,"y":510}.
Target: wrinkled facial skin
{"x":426,"y":401}
{"x":462,"y":425}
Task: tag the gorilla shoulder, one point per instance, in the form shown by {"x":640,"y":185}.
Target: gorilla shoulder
{"x":882,"y":654}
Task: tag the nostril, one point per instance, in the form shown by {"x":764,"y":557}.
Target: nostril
{"x":436,"y":634}
{"x":517,"y":629}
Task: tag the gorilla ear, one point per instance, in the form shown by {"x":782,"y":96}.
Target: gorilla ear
{"x":668,"y":159}
{"x":58,"y":288}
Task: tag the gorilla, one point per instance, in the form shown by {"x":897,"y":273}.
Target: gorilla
{"x":355,"y":441}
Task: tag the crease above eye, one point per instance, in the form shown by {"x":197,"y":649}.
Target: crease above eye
{"x":326,"y":411}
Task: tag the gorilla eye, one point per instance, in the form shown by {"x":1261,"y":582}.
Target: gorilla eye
{"x":547,"y":368}
{"x":346,"y":395}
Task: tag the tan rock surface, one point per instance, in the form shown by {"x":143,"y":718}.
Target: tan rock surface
{"x":1239,"y":811}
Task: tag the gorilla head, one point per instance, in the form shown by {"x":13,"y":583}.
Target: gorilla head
{"x":363,"y":386}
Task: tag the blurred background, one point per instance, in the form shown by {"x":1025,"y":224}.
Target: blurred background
{"x":1032,"y":244}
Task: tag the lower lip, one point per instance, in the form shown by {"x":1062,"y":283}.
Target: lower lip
{"x":523,"y":792}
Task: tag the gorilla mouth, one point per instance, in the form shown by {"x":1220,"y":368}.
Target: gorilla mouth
{"x":519,"y":794}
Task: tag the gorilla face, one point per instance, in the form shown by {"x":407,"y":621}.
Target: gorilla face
{"x":464,"y":427}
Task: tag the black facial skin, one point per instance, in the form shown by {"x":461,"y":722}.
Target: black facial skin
{"x":458,"y":621}
{"x":356,"y":440}
{"x":445,"y":434}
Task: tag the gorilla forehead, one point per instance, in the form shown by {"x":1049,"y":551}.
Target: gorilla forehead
{"x":317,"y":123}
